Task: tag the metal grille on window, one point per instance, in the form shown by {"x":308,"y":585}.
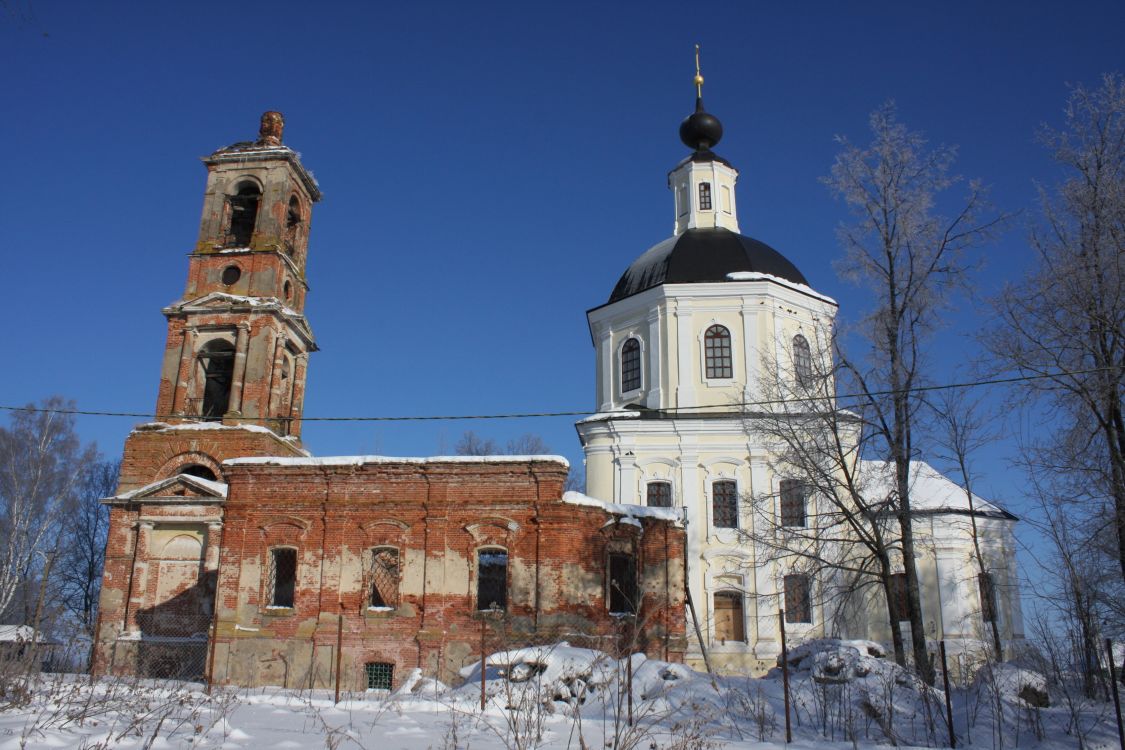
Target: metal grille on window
{"x":492,"y":579}
{"x":798,"y":607}
{"x":659,"y":494}
{"x":724,"y":504}
{"x":282,"y":576}
{"x":380,"y":675}
{"x":802,"y":360}
{"x":622,"y":584}
{"x":705,"y":196}
{"x":792,"y":503}
{"x":729,"y":622}
{"x":384,"y":577}
{"x":631,"y":365}
{"x":716,"y":348}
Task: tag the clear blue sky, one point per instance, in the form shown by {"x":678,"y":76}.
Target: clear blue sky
{"x":489,"y":170}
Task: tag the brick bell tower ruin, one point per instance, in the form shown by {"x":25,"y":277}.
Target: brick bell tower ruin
{"x":232,"y":384}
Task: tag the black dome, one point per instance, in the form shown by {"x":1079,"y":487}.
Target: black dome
{"x":701,"y":255}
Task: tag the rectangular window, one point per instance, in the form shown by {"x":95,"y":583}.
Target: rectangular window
{"x":798,"y":605}
{"x":283,"y":576}
{"x":898,"y":590}
{"x":384,"y":577}
{"x":659,"y":495}
{"x":705,"y":196}
{"x":380,"y":675}
{"x":729,"y":622}
{"x":792,"y":503}
{"x":622,"y":584}
{"x":987,"y":597}
{"x":724,"y":504}
{"x":492,"y":579}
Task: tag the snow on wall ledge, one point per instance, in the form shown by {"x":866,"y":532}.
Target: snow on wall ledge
{"x":361,"y":460}
{"x":628,"y":511}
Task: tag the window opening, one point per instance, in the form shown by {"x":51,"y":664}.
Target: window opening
{"x":217,"y":359}
{"x":802,"y":360}
{"x":729,"y":621}
{"x":384,"y":577}
{"x":492,"y":579}
{"x":987,"y":597}
{"x":724,"y":504}
{"x":380,"y":675}
{"x":622,"y":583}
{"x":705,"y":196}
{"x":793,"y":511}
{"x":631,"y":365}
{"x":198,"y":470}
{"x":898,"y":591}
{"x":798,"y":607}
{"x":716,"y":347}
{"x":244,"y":214}
{"x":292,"y":225}
{"x":659,"y":495}
{"x":283,"y":576}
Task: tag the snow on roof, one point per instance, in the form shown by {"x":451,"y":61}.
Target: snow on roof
{"x":930,"y":490}
{"x":165,"y":427}
{"x":758,"y":276}
{"x":630,"y":512}
{"x":239,"y":298}
{"x":210,"y":486}
{"x":602,"y":415}
{"x":361,"y":460}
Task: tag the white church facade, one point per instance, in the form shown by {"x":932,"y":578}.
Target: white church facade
{"x":695,"y":330}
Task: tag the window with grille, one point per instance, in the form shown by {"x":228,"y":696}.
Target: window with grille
{"x":705,"y":196}
{"x":987,"y":597}
{"x":898,"y":591}
{"x":798,"y":604}
{"x":793,"y":503}
{"x":622,"y":583}
{"x":282,"y":577}
{"x":384,"y":577}
{"x":716,"y":350}
{"x":380,"y":675}
{"x":802,"y":361}
{"x":630,"y":366}
{"x":729,"y":621}
{"x":724,"y":504}
{"x":659,"y":495}
{"x":492,"y":579}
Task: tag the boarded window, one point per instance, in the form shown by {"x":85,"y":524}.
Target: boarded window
{"x":898,"y":606}
{"x":987,"y":597}
{"x":380,"y":675}
{"x":384,"y":576}
{"x":217,"y":360}
{"x":244,"y":214}
{"x":793,"y":503}
{"x":802,"y":361}
{"x":798,"y":604}
{"x":631,"y":365}
{"x":716,"y":350}
{"x":724,"y":504}
{"x":622,"y":583}
{"x":492,"y":579}
{"x":659,"y":495}
{"x":282,"y":576}
{"x":705,"y":196}
{"x":729,"y":621}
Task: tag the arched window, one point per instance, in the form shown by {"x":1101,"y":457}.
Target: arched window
{"x":383,"y":578}
{"x":630,"y":366}
{"x":282,"y":578}
{"x":492,"y":579}
{"x":217,"y":360}
{"x":793,"y":501}
{"x":622,"y":583}
{"x":716,"y":348}
{"x":724,"y":504}
{"x":729,"y":621}
{"x":802,"y":360}
{"x":292,"y":224}
{"x":798,"y":600}
{"x":244,"y":213}
{"x":658,"y":495}
{"x":198,"y":470}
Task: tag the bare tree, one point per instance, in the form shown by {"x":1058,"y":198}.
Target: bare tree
{"x":472,"y":444}
{"x":79,"y":572}
{"x":910,"y":259}
{"x":42,"y":465}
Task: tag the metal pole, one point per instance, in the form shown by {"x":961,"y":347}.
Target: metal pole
{"x":482,"y":663}
{"x":1116,"y":697}
{"x":948,"y":701}
{"x":785,"y":674}
{"x":629,"y":677}
{"x":339,"y":647}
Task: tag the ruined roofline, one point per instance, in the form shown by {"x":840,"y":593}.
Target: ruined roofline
{"x":249,"y":153}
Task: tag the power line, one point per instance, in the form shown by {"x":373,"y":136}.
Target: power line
{"x":586,"y":413}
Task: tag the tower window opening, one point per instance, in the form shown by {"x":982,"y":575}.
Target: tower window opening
{"x":231,"y":275}
{"x":716,"y":350}
{"x":659,"y":494}
{"x":631,"y":365}
{"x":217,"y":361}
{"x":282,"y":577}
{"x":705,"y":196}
{"x":492,"y":579}
{"x":724,"y":504}
{"x":802,"y":361}
{"x":622,"y":584}
{"x":244,"y":214}
{"x":292,"y":224}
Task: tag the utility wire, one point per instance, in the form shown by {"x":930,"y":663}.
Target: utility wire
{"x":533,"y":415}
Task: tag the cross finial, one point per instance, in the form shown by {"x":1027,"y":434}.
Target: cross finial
{"x":698,"y":76}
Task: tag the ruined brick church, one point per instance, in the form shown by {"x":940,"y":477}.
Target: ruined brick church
{"x":235,"y":555}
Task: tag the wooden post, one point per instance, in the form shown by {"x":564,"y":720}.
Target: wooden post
{"x":948,"y":700}
{"x":785,"y":674}
{"x":482,"y":663}
{"x":339,"y":647}
{"x":1116,"y":696}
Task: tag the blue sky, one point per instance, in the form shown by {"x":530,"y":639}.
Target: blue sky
{"x":489,"y":170}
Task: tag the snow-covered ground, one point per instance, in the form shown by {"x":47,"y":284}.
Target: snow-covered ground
{"x":843,"y":694}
